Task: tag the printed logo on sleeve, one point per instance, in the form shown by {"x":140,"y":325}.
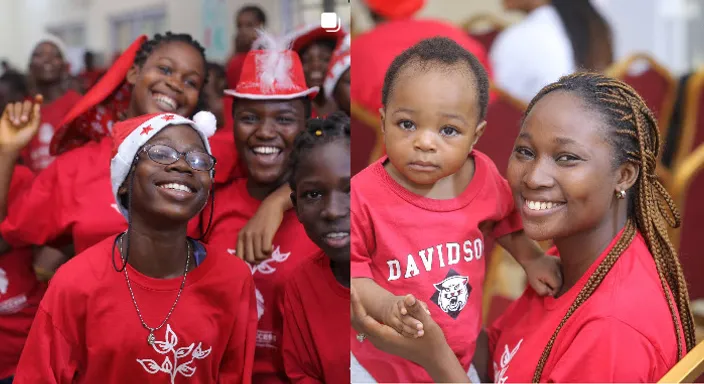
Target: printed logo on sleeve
{"x":4,"y":282}
{"x":452,"y":294}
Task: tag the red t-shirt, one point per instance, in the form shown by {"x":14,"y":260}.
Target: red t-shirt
{"x":36,"y":154}
{"x":374,"y":51}
{"x":234,"y":208}
{"x":622,"y":333}
{"x":73,"y":197}
{"x":87,"y":329}
{"x":234,"y":69}
{"x":20,"y":292}
{"x":433,"y":249}
{"x":316,"y":313}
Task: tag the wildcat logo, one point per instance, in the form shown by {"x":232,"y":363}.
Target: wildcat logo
{"x":266,"y":267}
{"x":452,"y":293}
{"x":506,"y":357}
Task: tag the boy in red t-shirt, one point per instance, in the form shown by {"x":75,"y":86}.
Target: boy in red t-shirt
{"x":420,"y":216}
{"x":315,"y":299}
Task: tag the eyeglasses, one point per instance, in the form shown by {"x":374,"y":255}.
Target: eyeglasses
{"x":165,"y":155}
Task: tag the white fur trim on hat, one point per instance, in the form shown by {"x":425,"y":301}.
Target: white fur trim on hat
{"x":335,"y":74}
{"x":252,"y":96}
{"x":53,"y":39}
{"x":121,"y":163}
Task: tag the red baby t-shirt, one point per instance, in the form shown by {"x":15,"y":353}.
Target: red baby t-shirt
{"x":316,"y":313}
{"x":234,"y":207}
{"x":87,"y":329}
{"x":622,"y":333}
{"x":433,"y":249}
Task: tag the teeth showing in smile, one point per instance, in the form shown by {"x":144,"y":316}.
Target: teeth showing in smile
{"x":337,"y":235}
{"x":266,"y":150}
{"x":540,"y":205}
{"x":177,"y":187}
{"x":165,"y":103}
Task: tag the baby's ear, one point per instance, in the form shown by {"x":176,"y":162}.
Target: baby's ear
{"x":478,"y":132}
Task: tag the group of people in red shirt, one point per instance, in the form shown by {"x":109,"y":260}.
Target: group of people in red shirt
{"x":608,"y":303}
{"x":190,"y":229}
{"x":195,"y":221}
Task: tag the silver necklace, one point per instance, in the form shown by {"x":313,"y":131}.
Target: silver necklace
{"x":151,"y":338}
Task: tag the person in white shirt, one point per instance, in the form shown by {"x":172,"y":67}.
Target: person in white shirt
{"x":555,"y":38}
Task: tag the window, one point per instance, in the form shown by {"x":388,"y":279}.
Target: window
{"x":126,"y":28}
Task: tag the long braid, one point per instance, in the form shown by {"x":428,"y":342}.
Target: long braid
{"x":636,"y":139}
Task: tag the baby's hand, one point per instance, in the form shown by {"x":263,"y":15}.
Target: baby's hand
{"x":397,"y":316}
{"x":544,"y":275}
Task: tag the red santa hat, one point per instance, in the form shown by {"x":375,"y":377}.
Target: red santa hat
{"x":339,"y":63}
{"x":84,"y":122}
{"x":308,"y":34}
{"x":130,"y":135}
{"x":272,"y":72}
{"x":395,"y":9}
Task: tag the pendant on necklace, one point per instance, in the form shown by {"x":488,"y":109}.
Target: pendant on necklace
{"x":150,"y":339}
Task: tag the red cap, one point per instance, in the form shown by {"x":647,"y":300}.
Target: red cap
{"x":75,"y":131}
{"x":272,"y":75}
{"x":395,"y":9}
{"x":304,"y":36}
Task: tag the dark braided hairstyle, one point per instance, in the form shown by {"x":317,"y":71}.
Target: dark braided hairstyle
{"x":317,"y":132}
{"x":635,"y":138}
{"x":151,"y":45}
{"x":438,"y":53}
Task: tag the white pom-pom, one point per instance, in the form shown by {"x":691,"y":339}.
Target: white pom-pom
{"x":206,"y":123}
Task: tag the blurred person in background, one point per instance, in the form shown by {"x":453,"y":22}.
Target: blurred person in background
{"x":555,"y":38}
{"x":395,"y":31}
{"x":249,"y":18}
{"x":315,"y":46}
{"x":91,"y":72}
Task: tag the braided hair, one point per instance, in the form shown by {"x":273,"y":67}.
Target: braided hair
{"x":317,"y":132}
{"x":151,"y":45}
{"x":635,"y":138}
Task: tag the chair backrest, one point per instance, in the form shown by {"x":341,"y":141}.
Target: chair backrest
{"x":687,"y":188}
{"x":692,"y":131}
{"x":652,"y":81}
{"x":366,"y":137}
{"x":688,"y":369}
{"x":484,"y":28}
{"x":503,"y":122}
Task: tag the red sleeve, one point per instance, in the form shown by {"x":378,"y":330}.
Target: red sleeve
{"x":238,"y":360}
{"x":608,"y":351}
{"x":360,"y":258}
{"x":48,"y":356}
{"x":509,"y":217}
{"x":22,"y":178}
{"x":297,"y":343}
{"x":47,"y":199}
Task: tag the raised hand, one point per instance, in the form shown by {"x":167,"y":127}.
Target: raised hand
{"x":18,"y":124}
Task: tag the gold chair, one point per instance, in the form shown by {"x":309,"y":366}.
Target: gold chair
{"x":688,"y":369}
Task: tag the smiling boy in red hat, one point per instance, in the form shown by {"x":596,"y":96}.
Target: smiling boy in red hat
{"x":272,"y":103}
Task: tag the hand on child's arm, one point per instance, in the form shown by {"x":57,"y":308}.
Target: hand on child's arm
{"x":543,"y":271}
{"x":255,"y":240}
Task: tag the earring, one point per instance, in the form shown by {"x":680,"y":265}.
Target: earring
{"x":621,"y":194}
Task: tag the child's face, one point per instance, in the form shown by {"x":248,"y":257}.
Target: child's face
{"x":214,"y":91}
{"x":169,"y":81}
{"x":323,"y":198}
{"x":149,"y":196}
{"x":431,"y":122}
{"x":46,"y":64}
{"x":342,"y":93}
{"x":264,"y":135}
{"x":315,"y":60}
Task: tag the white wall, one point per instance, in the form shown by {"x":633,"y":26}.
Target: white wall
{"x":22,"y":23}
